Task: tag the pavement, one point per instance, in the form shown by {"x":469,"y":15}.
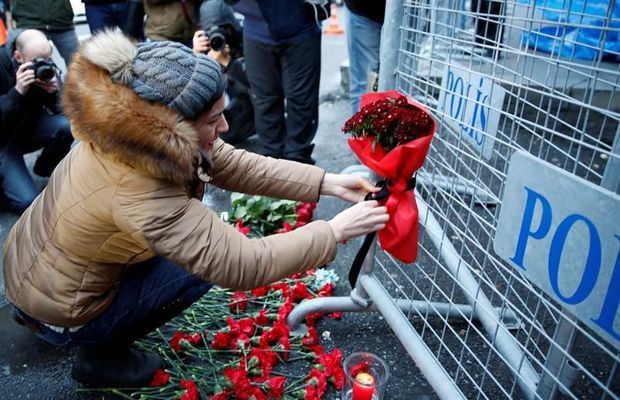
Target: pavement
{"x":32,"y":369}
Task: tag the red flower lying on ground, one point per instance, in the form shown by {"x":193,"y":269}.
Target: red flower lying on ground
{"x":191,"y":390}
{"x":239,"y":302}
{"x":161,"y":378}
{"x":179,"y":338}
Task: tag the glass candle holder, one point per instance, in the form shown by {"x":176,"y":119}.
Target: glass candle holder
{"x":366,"y":375}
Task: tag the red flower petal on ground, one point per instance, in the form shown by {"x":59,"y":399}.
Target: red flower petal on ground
{"x":285,"y":345}
{"x":194,"y":338}
{"x":283,"y":286}
{"x":285,"y":309}
{"x":300,"y":292}
{"x":312,"y":393}
{"x":160,"y":378}
{"x":221,"y":341}
{"x":286,"y":227}
{"x":260,"y":291}
{"x":242,"y":228}
{"x":336,"y":315}
{"x":239,"y":302}
{"x":275,"y":387}
{"x":326,"y":290}
{"x":246,"y":326}
{"x":312,"y":318}
{"x":175,"y":341}
{"x":241,"y":384}
{"x":191,"y":390}
{"x":262,"y":317}
{"x":224,"y":395}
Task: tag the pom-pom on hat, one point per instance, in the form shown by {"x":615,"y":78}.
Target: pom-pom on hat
{"x":160,"y":71}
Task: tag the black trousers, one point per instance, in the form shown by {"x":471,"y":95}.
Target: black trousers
{"x":288,"y":72}
{"x":50,"y":132}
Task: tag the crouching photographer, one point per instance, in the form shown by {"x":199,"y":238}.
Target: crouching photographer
{"x":30,"y":116}
{"x":221,"y":38}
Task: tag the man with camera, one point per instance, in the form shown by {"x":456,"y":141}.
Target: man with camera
{"x":30,"y":116}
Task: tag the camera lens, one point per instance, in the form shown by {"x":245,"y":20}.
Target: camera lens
{"x":45,"y":73}
{"x":217,"y":41}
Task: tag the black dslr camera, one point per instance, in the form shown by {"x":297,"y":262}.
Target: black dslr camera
{"x":44,"y":68}
{"x":219,"y":36}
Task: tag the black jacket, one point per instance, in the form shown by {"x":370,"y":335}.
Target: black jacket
{"x":371,"y":9}
{"x":15,"y":109}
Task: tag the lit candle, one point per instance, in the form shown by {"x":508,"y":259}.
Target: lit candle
{"x":363,"y":386}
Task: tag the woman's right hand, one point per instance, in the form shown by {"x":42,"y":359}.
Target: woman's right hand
{"x":360,"y":219}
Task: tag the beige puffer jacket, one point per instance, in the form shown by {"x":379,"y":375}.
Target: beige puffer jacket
{"x":130,"y":191}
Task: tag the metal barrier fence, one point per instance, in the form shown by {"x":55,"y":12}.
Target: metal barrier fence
{"x":516,"y":290}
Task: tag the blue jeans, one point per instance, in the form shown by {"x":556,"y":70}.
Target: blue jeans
{"x":101,"y":16}
{"x":65,"y":41}
{"x":50,"y":132}
{"x":150,"y":294}
{"x":363,"y":42}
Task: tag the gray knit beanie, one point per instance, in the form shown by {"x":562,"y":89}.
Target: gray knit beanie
{"x":163,"y":72}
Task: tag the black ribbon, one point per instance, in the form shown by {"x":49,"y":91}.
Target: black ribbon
{"x":381,"y":195}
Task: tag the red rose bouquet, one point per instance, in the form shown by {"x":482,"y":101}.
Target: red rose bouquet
{"x":391,"y":135}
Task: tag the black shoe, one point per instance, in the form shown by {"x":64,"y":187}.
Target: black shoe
{"x":115,"y":367}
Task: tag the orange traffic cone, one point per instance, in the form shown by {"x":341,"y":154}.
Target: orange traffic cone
{"x":3,"y":33}
{"x":333,"y":26}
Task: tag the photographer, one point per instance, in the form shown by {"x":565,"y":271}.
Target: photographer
{"x":221,"y":38}
{"x":30,"y":116}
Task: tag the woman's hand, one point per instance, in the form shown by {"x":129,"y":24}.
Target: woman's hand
{"x":360,"y":219}
{"x":347,"y":187}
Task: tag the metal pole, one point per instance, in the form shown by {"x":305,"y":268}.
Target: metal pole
{"x":424,"y":359}
{"x":390,"y":41}
{"x":347,"y":304}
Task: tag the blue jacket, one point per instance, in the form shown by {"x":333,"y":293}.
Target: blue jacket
{"x":276,"y":21}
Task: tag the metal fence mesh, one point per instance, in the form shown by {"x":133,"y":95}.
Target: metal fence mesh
{"x":557,"y":107}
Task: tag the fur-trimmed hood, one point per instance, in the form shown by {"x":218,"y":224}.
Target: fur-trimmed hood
{"x":147,"y":136}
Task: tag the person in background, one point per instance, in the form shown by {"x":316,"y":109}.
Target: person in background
{"x":282,"y":47}
{"x":363,"y":25}
{"x":175,"y":20}
{"x":101,"y":14}
{"x":30,"y":116}
{"x":119,"y":241}
{"x":52,"y":17}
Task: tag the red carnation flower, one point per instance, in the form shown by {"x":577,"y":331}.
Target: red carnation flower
{"x":275,"y":387}
{"x":286,"y":227}
{"x":242,"y":228}
{"x":224,"y":395}
{"x":326,"y":290}
{"x":160,"y":378}
{"x":300,"y":292}
{"x":179,"y":339}
{"x":313,"y":317}
{"x":239,"y":302}
{"x":241,"y":384}
{"x":260,"y":291}
{"x":191,"y":390}
{"x":262,"y":318}
{"x":221,"y":341}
